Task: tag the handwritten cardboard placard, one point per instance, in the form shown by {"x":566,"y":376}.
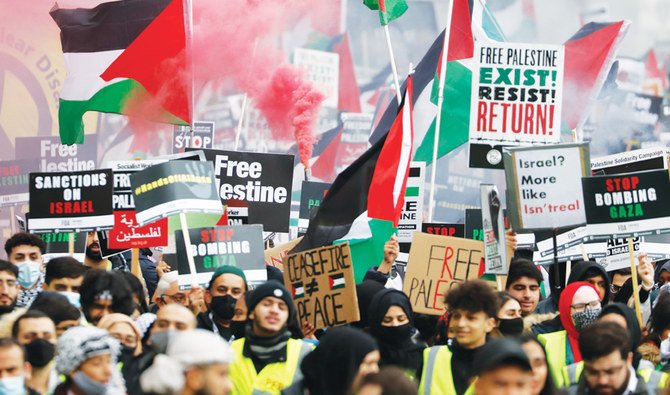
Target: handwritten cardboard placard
{"x":323,"y":287}
{"x":275,"y":256}
{"x":436,"y":263}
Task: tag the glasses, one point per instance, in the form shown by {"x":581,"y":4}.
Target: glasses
{"x":595,"y":304}
{"x":178,"y":298}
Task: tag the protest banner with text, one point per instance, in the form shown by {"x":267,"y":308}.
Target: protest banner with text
{"x":323,"y":287}
{"x":80,"y":200}
{"x":202,"y":136}
{"x":495,"y":254}
{"x":54,"y":156}
{"x":411,"y":216}
{"x":436,"y":263}
{"x":310,"y":199}
{"x":238,"y":246}
{"x":354,"y":142}
{"x":453,"y":230}
{"x":544,"y":189}
{"x":631,"y":161}
{"x":275,"y":256}
{"x":58,"y":243}
{"x":14,"y":180}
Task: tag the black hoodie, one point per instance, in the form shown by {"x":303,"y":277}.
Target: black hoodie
{"x":581,"y":270}
{"x":631,"y":322}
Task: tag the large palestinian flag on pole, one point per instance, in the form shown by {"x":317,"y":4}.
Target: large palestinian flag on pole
{"x":120,"y":56}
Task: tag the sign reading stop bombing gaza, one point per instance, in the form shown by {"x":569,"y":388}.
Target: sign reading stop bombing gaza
{"x":544,"y":189}
{"x":517,"y":92}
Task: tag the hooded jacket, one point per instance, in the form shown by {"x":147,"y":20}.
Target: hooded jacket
{"x":632,"y":324}
{"x":581,"y":270}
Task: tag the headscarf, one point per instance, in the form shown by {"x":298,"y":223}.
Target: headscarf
{"x":402,"y":351}
{"x":564,"y":308}
{"x":365,"y":291}
{"x":110,"y":320}
{"x":331,"y":368}
{"x":632,"y":324}
{"x":663,"y":265}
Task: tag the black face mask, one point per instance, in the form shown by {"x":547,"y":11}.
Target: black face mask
{"x":511,"y":327}
{"x":127,"y":351}
{"x":237,"y":328}
{"x":223,"y":306}
{"x":395,"y":334}
{"x":40,"y":352}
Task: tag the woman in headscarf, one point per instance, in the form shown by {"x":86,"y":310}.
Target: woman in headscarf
{"x":390,"y":317}
{"x":578,"y":306}
{"x":338,"y":364}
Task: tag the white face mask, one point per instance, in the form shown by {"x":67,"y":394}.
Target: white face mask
{"x":29,"y":273}
{"x":72,"y":297}
{"x":15,"y":385}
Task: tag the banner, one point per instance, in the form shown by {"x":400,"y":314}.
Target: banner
{"x":55,"y":157}
{"x":14,"y":180}
{"x":260,"y":182}
{"x":275,"y":256}
{"x":594,"y":251}
{"x":123,"y":191}
{"x":624,"y":205}
{"x":323,"y":70}
{"x":617,"y":253}
{"x":631,"y":161}
{"x":495,"y":254}
{"x":105,"y":250}
{"x":517,"y":91}
{"x":79,"y":201}
{"x":58,"y":243}
{"x":564,"y":240}
{"x":128,"y":234}
{"x":202,"y":136}
{"x":435,"y":264}
{"x":453,"y":230}
{"x":355,"y":134}
{"x":173,"y":187}
{"x":311,"y":195}
{"x":544,"y":190}
{"x":239,"y":246}
{"x":411,"y":216}
{"x":323,"y":287}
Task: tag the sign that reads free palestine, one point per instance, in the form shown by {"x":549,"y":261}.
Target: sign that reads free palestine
{"x":54,"y":156}
{"x":239,"y":246}
{"x":323,"y":287}
{"x":173,"y":187}
{"x":627,"y":205}
{"x":544,"y":187}
{"x":261,"y":182}
{"x":80,"y":200}
{"x":14,"y":180}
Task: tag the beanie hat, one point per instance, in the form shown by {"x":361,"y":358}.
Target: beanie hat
{"x":228,"y":269}
{"x":274,"y":289}
{"x":81,"y":343}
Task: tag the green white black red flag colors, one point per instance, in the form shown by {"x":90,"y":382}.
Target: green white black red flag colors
{"x":119,"y":54}
{"x":388,"y":9}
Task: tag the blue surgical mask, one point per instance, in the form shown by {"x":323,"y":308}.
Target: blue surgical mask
{"x":87,"y":385}
{"x":72,"y":297}
{"x":29,"y":273}
{"x":15,"y":385}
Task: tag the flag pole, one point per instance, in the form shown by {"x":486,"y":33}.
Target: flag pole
{"x":440,"y":102}
{"x":189,"y":10}
{"x":393,"y":67}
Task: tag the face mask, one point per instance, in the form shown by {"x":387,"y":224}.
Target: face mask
{"x":585,"y":318}
{"x":223,"y":306}
{"x":127,"y":351}
{"x":238,"y":328}
{"x":72,"y":297}
{"x":29,"y":273}
{"x":159,"y":340}
{"x":511,"y":327}
{"x":395,"y":334}
{"x":40,"y":352}
{"x":13,"y":385}
{"x":87,"y":385}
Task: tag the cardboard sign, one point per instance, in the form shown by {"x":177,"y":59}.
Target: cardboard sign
{"x":411,"y":216}
{"x":14,"y":180}
{"x":323,"y":287}
{"x":495,"y":256}
{"x":127,"y":234}
{"x":53,"y":156}
{"x":435,"y":264}
{"x":323,"y":70}
{"x":617,"y":255}
{"x":275,"y":256}
{"x":58,"y":243}
{"x":627,"y":205}
{"x":239,"y":246}
{"x":260,"y":182}
{"x":544,"y":190}
{"x":453,"y":230}
{"x":310,"y":199}
{"x":202,"y":136}
{"x":631,"y":161}
{"x":517,"y":91}
{"x":354,"y":142}
{"x":174,"y":187}
{"x":78,"y":201}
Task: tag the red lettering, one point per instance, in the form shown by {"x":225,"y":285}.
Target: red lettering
{"x":438,"y":294}
{"x":481,"y":116}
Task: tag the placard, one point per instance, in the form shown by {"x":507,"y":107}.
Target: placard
{"x":173,"y":187}
{"x":517,"y":91}
{"x":123,"y":191}
{"x":617,"y":253}
{"x":322,"y":69}
{"x":127,"y":234}
{"x":411,"y":216}
{"x":53,"y":156}
{"x":14,"y":180}
{"x":79,"y":201}
{"x":202,"y":136}
{"x":275,"y":256}
{"x":631,"y":161}
{"x":105,"y":250}
{"x":564,"y":240}
{"x":260,"y":182}
{"x":322,"y":283}
{"x":436,"y":263}
{"x":594,"y":251}
{"x":543,"y":186}
{"x":310,"y":199}
{"x":239,"y":246}
{"x":58,"y":243}
{"x":453,"y":230}
{"x":354,"y":142}
{"x":495,"y":256}
{"x":627,"y":205}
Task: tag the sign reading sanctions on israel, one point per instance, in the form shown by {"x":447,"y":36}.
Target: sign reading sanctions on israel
{"x":323,"y":287}
{"x":80,"y":200}
{"x":627,"y":205}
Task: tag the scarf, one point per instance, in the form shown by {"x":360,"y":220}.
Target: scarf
{"x":265,"y":350}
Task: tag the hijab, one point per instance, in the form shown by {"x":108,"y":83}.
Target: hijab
{"x":333,"y":365}
{"x":365,"y":291}
{"x":565,"y":310}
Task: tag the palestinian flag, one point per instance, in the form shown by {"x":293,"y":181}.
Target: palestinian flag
{"x":298,"y":290}
{"x":119,"y":56}
{"x":388,"y":9}
{"x":336,"y":281}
